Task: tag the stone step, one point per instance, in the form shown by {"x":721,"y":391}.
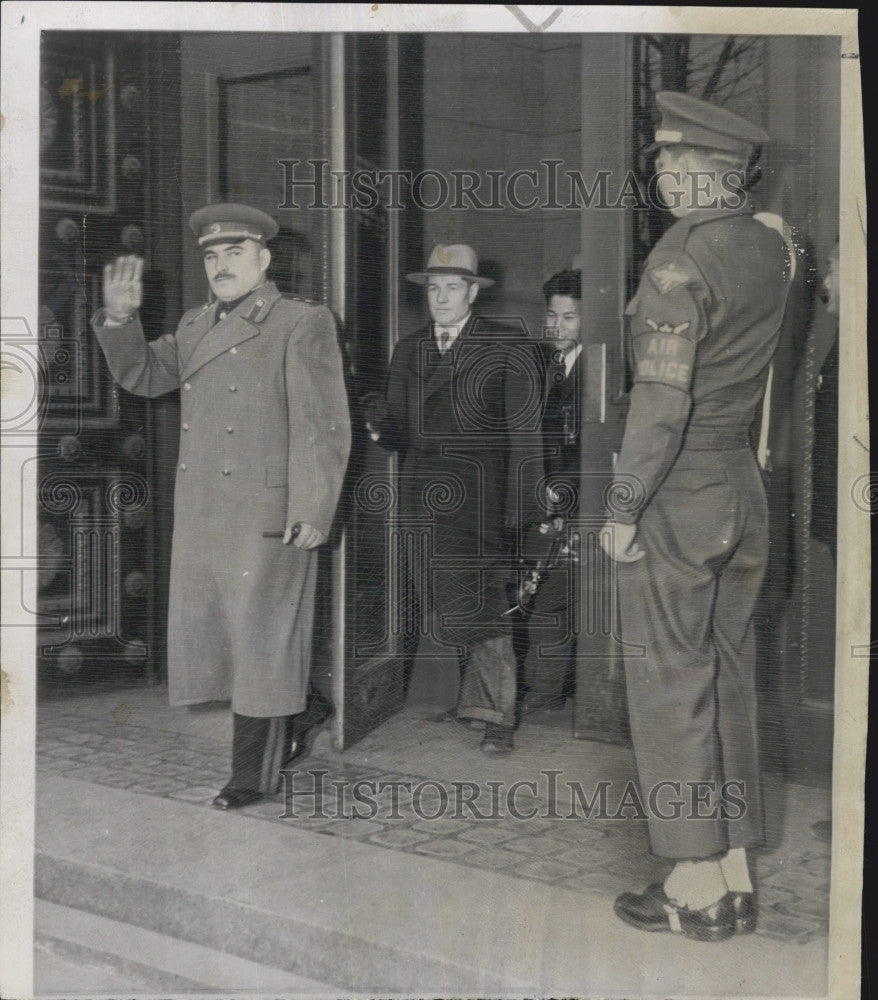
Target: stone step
{"x":76,"y":949}
{"x":312,"y":906}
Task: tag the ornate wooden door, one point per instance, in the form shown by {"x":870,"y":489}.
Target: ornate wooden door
{"x":97,"y":486}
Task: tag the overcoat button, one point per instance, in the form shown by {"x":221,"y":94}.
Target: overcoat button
{"x":183,"y":466}
{"x":185,"y":427}
{"x":234,"y":350}
{"x":187,"y":386}
{"x":227,"y":472}
{"x":229,"y":430}
{"x":233,"y":388}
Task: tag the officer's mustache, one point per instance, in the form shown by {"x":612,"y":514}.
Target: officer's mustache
{"x":223,"y":274}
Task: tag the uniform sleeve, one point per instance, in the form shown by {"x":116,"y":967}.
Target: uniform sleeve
{"x":144,"y":368}
{"x":318,"y":416}
{"x":669,"y":316}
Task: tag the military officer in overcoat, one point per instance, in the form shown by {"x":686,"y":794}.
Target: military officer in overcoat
{"x":691,"y":539}
{"x":462,"y":407}
{"x":264,"y":441}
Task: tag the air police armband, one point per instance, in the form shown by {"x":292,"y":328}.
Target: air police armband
{"x":664,"y":354}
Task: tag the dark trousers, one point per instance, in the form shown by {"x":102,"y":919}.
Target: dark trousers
{"x":487,"y":661}
{"x":260,"y":748}
{"x":689,"y":604}
{"x":550,"y":639}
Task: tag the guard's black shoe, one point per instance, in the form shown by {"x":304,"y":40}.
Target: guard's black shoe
{"x":745,"y":910}
{"x":235,"y":798}
{"x":653,"y":911}
{"x":498,"y":740}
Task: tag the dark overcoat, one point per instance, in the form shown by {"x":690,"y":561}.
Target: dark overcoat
{"x":264,"y":441}
{"x":467,"y":426}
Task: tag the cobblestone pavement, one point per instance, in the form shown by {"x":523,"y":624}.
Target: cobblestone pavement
{"x":478,"y":823}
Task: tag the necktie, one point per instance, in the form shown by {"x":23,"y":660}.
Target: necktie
{"x":443,"y":338}
{"x":559,"y":359}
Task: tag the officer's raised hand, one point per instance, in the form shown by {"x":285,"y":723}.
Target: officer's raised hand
{"x":123,"y":288}
{"x":620,"y":542}
{"x":303,"y":536}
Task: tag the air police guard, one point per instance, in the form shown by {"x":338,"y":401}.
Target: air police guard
{"x":264,"y":441}
{"x":692,"y":546}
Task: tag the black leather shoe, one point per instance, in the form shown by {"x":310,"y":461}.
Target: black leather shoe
{"x":235,"y":798}
{"x":745,"y":910}
{"x":653,"y":911}
{"x":498,"y":740}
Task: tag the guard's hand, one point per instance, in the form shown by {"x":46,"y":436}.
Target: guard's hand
{"x":619,"y":541}
{"x":307,"y":537}
{"x":123,"y":287}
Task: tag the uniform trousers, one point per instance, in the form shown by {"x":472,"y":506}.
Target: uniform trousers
{"x":689,"y":604}
{"x":260,"y":747}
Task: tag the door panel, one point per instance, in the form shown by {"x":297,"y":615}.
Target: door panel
{"x":97,"y":483}
{"x":600,"y":708}
{"x":372,"y":685}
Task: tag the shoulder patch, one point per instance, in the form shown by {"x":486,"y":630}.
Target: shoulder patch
{"x":667,"y":277}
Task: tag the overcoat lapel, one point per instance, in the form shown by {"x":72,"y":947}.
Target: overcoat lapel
{"x":208,"y":342}
{"x":439,"y":375}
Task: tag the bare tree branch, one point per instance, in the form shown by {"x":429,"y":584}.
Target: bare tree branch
{"x":722,"y":61}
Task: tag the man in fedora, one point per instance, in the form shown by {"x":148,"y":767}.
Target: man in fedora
{"x":692,"y":546}
{"x":462,"y":403}
{"x":264,"y":440}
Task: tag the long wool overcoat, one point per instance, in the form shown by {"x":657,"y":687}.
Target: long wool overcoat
{"x":264,"y":441}
{"x":467,"y":426}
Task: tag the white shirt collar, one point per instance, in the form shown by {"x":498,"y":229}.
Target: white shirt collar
{"x":570,"y":359}
{"x":453,"y":331}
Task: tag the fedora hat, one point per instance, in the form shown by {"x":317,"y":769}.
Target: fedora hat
{"x":454,"y":259}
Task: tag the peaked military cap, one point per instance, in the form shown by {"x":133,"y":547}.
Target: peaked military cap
{"x":690,"y":121}
{"x":228,"y":222}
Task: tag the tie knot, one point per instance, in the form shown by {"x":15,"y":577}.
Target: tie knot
{"x":444,"y":335}
{"x":560,"y":355}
